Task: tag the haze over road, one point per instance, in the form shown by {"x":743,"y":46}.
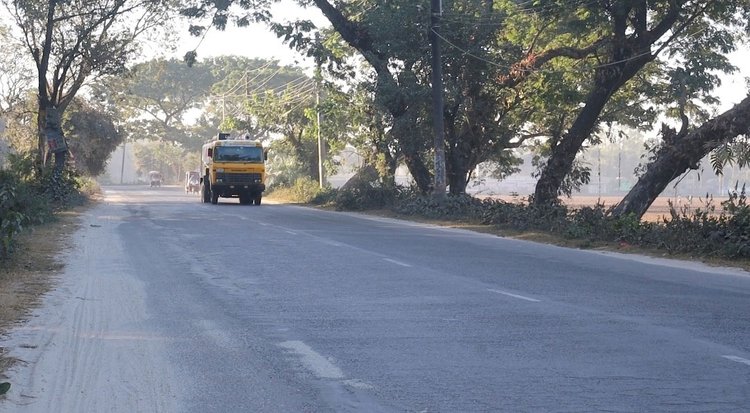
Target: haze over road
{"x":170,"y":305}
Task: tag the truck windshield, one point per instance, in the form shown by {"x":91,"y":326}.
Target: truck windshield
{"x":238,"y":154}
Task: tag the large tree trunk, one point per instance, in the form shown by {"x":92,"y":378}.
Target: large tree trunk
{"x":457,"y":183}
{"x":411,"y":150}
{"x":51,"y":138}
{"x":55,"y":139}
{"x":420,"y":173}
{"x":564,"y":153}
{"x":676,"y":157}
{"x":629,"y":52}
{"x":388,"y":90}
{"x":459,"y":164}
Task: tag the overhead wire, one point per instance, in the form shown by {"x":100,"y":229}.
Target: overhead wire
{"x":240,"y":83}
{"x":594,"y":67}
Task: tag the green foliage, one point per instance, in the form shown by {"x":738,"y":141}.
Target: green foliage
{"x":461,"y":207}
{"x":164,"y":156}
{"x":92,"y":136}
{"x":11,"y":220}
{"x":364,"y":195}
{"x":706,"y":231}
{"x":303,"y":190}
{"x":283,"y":168}
{"x":27,"y":199}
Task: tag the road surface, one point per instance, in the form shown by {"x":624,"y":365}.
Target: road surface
{"x":170,"y":305}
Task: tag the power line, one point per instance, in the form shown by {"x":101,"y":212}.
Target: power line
{"x":594,"y":67}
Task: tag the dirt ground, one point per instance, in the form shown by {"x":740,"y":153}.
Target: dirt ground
{"x":30,"y":271}
{"x":659,"y":209}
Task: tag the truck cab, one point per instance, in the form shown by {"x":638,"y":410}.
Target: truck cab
{"x":233,"y":168}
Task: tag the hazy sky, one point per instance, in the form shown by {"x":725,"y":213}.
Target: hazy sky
{"x":255,"y":40}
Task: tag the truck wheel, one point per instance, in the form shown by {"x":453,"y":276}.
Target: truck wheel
{"x":205,"y":194}
{"x":257,"y":199}
{"x":214,"y":197}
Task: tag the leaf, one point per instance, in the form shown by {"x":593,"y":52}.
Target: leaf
{"x":190,"y":58}
{"x":4,"y":387}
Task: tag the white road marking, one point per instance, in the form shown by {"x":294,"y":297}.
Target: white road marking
{"x":737,"y":359}
{"x":403,"y":264}
{"x":315,"y":362}
{"x":358,"y":384}
{"x":533,"y":300}
{"x":290,"y":232}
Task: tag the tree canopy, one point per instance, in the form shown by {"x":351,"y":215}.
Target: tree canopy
{"x":72,"y":41}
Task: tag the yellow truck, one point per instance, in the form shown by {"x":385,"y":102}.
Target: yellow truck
{"x":233,"y":168}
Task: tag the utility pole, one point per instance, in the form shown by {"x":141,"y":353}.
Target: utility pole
{"x":223,"y":109}
{"x":437,"y":99}
{"x":321,"y":175}
{"x":321,"y":172}
{"x":122,"y":166}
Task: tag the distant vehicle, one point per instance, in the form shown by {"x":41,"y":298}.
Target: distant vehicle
{"x":154,"y":178}
{"x":192,"y":182}
{"x":233,"y":168}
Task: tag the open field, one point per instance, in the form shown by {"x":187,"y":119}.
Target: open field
{"x":660,"y":207}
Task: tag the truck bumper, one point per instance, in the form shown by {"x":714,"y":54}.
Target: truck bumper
{"x":235,"y":190}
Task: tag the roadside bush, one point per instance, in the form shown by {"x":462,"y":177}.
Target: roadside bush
{"x":363,"y":195}
{"x":11,"y":219}
{"x":706,"y":231}
{"x":462,"y":207}
{"x":26,"y":199}
{"x":87,"y":186}
{"x":524,"y":217}
{"x":736,"y":230}
{"x":303,"y":190}
{"x":21,"y":205}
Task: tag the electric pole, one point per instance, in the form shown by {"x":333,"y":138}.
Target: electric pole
{"x":437,"y":100}
{"x":321,"y":175}
{"x":122,"y":165}
{"x":321,"y":151}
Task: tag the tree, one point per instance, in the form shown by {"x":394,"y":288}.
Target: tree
{"x":633,"y":35}
{"x":156,"y":95}
{"x":15,"y":78}
{"x":69,"y":43}
{"x":15,"y":112}
{"x":265,"y":100}
{"x":92,"y":136}
{"x":388,"y":89}
{"x":163,"y":156}
{"x":681,"y":151}
{"x":597,"y":61}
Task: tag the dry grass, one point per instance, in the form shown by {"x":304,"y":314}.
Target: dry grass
{"x":659,"y":209}
{"x":30,"y":271}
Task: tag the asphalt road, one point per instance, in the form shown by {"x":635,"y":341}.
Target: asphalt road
{"x":170,"y":305}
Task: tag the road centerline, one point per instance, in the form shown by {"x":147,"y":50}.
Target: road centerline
{"x":737,"y":359}
{"x":314,"y":361}
{"x":392,"y":261}
{"x":520,"y":297}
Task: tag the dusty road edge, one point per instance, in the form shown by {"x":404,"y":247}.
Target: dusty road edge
{"x":32,"y":270}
